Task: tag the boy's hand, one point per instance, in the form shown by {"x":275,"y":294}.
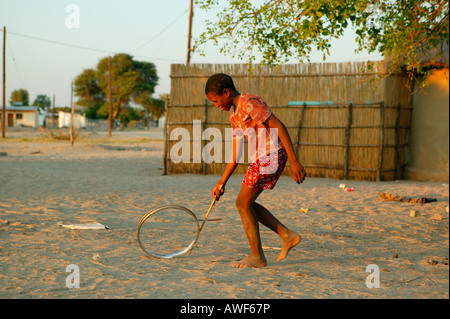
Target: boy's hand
{"x":298,"y":172}
{"x":218,"y":191}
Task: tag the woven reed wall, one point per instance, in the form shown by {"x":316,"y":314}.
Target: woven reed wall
{"x":358,"y":132}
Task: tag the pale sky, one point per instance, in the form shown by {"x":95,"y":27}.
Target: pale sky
{"x":45,"y":52}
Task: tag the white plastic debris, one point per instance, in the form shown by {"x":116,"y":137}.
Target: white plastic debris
{"x":414,"y":213}
{"x":85,"y":226}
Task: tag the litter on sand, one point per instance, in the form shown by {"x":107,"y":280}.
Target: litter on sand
{"x":414,"y":213}
{"x":396,"y":198}
{"x":345,"y":188}
{"x":84,"y":226}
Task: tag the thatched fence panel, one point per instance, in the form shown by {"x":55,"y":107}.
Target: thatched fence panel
{"x":344,"y":123}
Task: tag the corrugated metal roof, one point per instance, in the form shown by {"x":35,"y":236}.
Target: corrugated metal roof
{"x":21,"y":108}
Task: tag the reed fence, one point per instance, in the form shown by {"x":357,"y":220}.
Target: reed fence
{"x":345,"y":122}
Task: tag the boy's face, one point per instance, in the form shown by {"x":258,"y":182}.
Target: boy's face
{"x":223,"y":102}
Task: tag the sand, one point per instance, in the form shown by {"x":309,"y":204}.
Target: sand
{"x":116,"y":181}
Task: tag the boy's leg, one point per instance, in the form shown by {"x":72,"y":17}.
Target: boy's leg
{"x":244,"y":204}
{"x":290,"y":238}
{"x":252,"y":213}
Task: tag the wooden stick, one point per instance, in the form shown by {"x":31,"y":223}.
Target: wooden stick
{"x":299,"y":127}
{"x":381,"y":147}
{"x":204,"y":124}
{"x":71,"y":123}
{"x":206,"y":217}
{"x":397,"y":142}
{"x":347,"y":141}
{"x":166,"y":138}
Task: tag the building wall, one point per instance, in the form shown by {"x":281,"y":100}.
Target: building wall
{"x":29,"y":119}
{"x":364,"y":139}
{"x":428,"y":153}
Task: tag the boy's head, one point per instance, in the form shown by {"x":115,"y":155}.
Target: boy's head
{"x":219,"y":82}
{"x":220,"y":90}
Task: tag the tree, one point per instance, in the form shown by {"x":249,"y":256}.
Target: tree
{"x":129,"y":113}
{"x":87,"y":88}
{"x":405,"y":31}
{"x":151,"y":105}
{"x":90,"y":95}
{"x":130,"y":79}
{"x":43,"y":101}
{"x":19,"y":96}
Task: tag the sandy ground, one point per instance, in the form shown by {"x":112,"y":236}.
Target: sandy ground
{"x":116,"y":181}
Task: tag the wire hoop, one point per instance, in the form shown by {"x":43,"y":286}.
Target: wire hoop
{"x":179,"y":209}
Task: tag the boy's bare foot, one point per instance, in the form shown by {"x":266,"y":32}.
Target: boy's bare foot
{"x":289,"y":242}
{"x":250,"y":261}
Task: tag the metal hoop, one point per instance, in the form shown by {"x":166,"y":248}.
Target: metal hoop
{"x":171,"y":255}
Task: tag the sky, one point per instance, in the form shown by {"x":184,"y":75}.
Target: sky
{"x":47,"y":47}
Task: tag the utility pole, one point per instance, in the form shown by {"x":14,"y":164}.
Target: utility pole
{"x":109,"y":97}
{"x":4,"y":85}
{"x":191,"y":13}
{"x":71,"y":123}
{"x":72,"y":105}
{"x":71,"y":93}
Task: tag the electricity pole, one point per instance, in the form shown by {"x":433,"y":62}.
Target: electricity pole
{"x":109,"y":97}
{"x":190,"y":31}
{"x":4,"y":87}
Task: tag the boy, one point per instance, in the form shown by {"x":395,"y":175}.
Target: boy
{"x":251,"y":112}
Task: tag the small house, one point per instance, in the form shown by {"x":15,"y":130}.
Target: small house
{"x":20,"y":115}
{"x":64,"y":118}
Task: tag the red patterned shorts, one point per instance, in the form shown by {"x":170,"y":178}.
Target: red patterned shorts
{"x":265,"y":172}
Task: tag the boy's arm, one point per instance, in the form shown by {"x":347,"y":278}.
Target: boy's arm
{"x":297,"y":171}
{"x":229,"y":169}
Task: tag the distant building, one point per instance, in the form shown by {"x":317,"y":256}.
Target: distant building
{"x":428,"y":153}
{"x":79,"y":121}
{"x":24,"y":116}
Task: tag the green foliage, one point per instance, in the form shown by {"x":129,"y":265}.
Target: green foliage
{"x":19,"y":96}
{"x":128,"y":114}
{"x":43,"y":101}
{"x":130,"y":81}
{"x":86,"y":86}
{"x":151,"y":105}
{"x":409,"y":33}
{"x":93,"y":112}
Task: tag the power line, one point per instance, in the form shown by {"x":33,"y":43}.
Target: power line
{"x":58,"y":43}
{"x":80,"y":47}
{"x":162,"y":31}
{"x":15,"y":63}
